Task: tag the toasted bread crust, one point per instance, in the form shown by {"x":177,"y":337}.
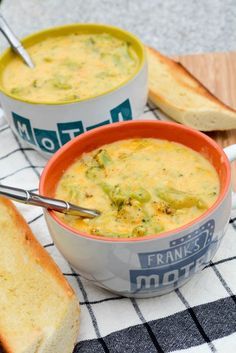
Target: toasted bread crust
{"x":179,"y":72}
{"x":33,"y":247}
{"x":36,"y":248}
{"x":4,"y":347}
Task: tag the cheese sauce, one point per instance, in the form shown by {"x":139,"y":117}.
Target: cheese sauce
{"x":141,"y":186}
{"x":71,"y":67}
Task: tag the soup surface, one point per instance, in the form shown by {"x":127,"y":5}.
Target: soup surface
{"x":71,"y":67}
{"x":141,"y":186}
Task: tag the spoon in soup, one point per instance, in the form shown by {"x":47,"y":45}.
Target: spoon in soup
{"x":31,"y":198}
{"x":15,"y":43}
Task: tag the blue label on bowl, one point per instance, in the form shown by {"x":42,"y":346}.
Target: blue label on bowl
{"x":49,"y":141}
{"x":183,"y":257}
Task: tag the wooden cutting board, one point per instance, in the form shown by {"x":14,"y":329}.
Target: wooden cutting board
{"x":217,"y":72}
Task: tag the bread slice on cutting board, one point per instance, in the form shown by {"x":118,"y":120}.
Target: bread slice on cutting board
{"x":39,"y":311}
{"x":183,"y":98}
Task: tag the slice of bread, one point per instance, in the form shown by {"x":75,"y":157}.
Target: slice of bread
{"x":183,"y":98}
{"x":39,"y":312}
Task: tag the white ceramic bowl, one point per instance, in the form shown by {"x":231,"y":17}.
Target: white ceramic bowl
{"x":152,"y":265}
{"x":48,"y":126}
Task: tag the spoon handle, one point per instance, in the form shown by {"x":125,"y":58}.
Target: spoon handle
{"x":31,"y":198}
{"x":14,"y":42}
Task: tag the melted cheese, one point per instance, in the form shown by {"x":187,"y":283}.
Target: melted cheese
{"x":141,"y":186}
{"x":71,"y":67}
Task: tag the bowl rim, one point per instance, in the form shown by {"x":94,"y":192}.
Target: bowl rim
{"x":33,"y":38}
{"x":92,"y":134}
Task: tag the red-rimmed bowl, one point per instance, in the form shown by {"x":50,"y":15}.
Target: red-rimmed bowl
{"x":152,"y":265}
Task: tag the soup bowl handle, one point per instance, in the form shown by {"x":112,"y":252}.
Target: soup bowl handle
{"x":230,"y":152}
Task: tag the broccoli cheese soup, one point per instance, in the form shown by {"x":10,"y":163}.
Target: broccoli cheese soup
{"x":142,"y":187}
{"x":71,"y":67}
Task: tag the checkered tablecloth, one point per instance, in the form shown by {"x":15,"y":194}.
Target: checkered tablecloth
{"x":198,"y":318}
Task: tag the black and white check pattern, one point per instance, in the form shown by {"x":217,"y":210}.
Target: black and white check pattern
{"x":200,"y":317}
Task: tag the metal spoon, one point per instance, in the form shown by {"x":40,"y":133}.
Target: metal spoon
{"x":15,"y":43}
{"x":31,"y":198}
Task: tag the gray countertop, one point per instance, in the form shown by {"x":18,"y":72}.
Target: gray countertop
{"x":171,"y":26}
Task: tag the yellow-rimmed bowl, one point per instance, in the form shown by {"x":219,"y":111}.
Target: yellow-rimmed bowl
{"x":46,"y":126}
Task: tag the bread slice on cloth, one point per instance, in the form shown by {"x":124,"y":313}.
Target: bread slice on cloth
{"x":183,"y":98}
{"x":39,"y":311}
